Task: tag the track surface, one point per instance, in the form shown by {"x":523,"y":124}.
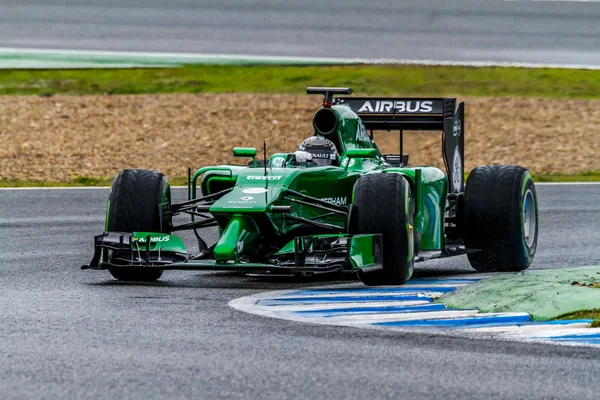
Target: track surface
{"x":66,"y":333}
{"x":460,"y":30}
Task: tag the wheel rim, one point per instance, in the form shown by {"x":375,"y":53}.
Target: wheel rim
{"x":529,"y":218}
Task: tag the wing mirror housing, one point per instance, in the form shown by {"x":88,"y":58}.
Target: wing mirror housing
{"x":245,"y":152}
{"x":361,"y":153}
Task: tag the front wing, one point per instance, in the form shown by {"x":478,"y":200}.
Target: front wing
{"x":117,"y":250}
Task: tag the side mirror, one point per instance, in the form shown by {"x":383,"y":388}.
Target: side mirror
{"x":244,"y":152}
{"x":361,"y":153}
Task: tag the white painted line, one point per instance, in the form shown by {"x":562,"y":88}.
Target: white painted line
{"x":522,"y":329}
{"x":414,"y":316}
{"x":363,"y":295}
{"x":341,"y":306}
{"x":434,"y":286}
{"x":130,"y":59}
{"x":337,"y":300}
{"x":174,"y":57}
{"x":559,"y":331}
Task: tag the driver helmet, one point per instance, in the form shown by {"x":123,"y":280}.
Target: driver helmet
{"x":323,"y":150}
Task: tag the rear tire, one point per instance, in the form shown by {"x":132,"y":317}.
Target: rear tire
{"x":501,"y":218}
{"x":383,"y":204}
{"x":134,"y":205}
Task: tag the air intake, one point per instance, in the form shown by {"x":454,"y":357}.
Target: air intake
{"x":325,"y":121}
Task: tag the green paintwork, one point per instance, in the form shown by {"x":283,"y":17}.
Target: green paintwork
{"x":165,"y":201}
{"x":289,"y":247}
{"x":162,"y":241}
{"x":278,"y":159}
{"x":430,"y":202}
{"x":240,"y":231}
{"x":226,"y":173}
{"x":361,"y":153}
{"x":244,"y":152}
{"x":106,"y":218}
{"x":246,"y":210}
{"x":107,"y":211}
{"x":409,"y":229}
{"x":526,"y":178}
{"x":360,"y":251}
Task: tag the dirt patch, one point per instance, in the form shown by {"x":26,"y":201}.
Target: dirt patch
{"x":62,"y":137}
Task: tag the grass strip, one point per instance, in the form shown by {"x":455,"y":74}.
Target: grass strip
{"x":84,"y":181}
{"x":584,"y":314}
{"x":590,"y":176}
{"x":364,"y":79}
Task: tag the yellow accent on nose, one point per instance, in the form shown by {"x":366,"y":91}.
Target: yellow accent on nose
{"x":410,"y":228}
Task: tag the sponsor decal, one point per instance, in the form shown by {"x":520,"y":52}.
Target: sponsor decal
{"x":399,"y":106}
{"x":153,"y":239}
{"x":264,"y":178}
{"x":349,"y":162}
{"x":338,"y":201}
{"x":457,"y":172}
{"x":243,"y":200}
{"x":323,"y":155}
{"x":255,"y":190}
{"x":456,"y":128}
{"x":277,"y":162}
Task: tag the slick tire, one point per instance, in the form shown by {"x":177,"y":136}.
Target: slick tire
{"x":134,"y":204}
{"x":383,"y":204}
{"x":501,"y":218}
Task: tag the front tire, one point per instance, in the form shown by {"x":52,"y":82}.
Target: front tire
{"x":137,"y":204}
{"x":383,"y":204}
{"x":501,"y":218}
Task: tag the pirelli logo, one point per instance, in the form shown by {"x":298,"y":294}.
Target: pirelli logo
{"x":264,"y":178}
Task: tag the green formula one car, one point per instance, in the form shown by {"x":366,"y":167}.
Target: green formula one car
{"x":335,"y":204}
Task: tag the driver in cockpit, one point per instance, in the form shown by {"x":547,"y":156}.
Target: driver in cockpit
{"x":318,"y":150}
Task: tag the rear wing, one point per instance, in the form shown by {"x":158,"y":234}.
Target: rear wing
{"x":418,"y":114}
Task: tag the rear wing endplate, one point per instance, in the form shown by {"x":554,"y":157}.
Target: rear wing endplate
{"x":420,"y":114}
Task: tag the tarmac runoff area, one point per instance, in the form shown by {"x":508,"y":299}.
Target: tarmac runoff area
{"x":516,"y":306}
{"x":77,"y":334}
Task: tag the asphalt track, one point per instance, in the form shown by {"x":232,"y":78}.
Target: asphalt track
{"x":66,"y":333}
{"x":547,"y":32}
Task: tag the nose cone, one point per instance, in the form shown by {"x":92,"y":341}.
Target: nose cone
{"x":244,"y":199}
